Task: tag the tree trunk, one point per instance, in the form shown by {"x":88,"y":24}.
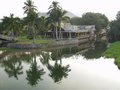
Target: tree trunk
{"x":60,"y":30}
{"x":12,"y":34}
{"x":27,"y":33}
{"x":56,"y":34}
{"x":33,"y":35}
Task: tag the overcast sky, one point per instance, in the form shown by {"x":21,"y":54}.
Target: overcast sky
{"x":78,"y":7}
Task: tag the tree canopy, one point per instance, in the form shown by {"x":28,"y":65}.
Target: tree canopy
{"x":113,"y":33}
{"x":97,"y":19}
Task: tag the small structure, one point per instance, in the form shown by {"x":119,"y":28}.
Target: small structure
{"x":72,"y":31}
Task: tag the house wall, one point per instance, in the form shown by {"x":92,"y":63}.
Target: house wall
{"x":68,"y":26}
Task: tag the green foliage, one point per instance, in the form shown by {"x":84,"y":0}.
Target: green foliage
{"x":118,"y":15}
{"x":30,"y":37}
{"x":97,"y":19}
{"x":29,"y":6}
{"x":76,"y":21}
{"x":22,"y":37}
{"x":7,"y":48}
{"x":11,"y":23}
{"x":41,"y":25}
{"x":114,"y":52}
{"x":114,"y":33}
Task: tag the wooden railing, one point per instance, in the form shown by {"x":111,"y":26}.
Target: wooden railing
{"x":7,"y":38}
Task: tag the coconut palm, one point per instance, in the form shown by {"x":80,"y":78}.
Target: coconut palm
{"x":41,"y":25}
{"x":29,"y":6}
{"x":11,"y":23}
{"x":62,"y":17}
{"x":53,"y":15}
{"x":31,"y":15}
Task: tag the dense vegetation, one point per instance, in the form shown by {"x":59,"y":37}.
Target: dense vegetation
{"x":97,"y":19}
{"x":32,"y":25}
{"x":114,"y":52}
{"x":113,"y":33}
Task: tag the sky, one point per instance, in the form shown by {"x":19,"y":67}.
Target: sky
{"x":77,"y":7}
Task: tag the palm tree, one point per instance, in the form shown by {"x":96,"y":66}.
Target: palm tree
{"x":11,"y":23}
{"x":41,"y":25}
{"x":62,"y":17}
{"x":29,"y":6}
{"x":53,"y":15}
{"x":31,"y":15}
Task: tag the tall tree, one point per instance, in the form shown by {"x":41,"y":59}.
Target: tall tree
{"x":29,"y":6}
{"x":30,"y":9}
{"x":53,"y":15}
{"x":113,"y":33}
{"x":62,"y":17}
{"x":118,"y":15}
{"x":97,"y":19}
{"x":11,"y":24}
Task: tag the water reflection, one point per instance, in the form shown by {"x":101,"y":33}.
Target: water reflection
{"x":57,"y":71}
{"x":46,"y":62}
{"x":35,"y":73}
{"x":12,"y":67}
{"x":96,"y":50}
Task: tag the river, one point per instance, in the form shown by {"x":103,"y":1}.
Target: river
{"x":73,"y":67}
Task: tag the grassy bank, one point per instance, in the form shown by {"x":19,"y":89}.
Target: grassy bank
{"x":7,"y":48}
{"x":36,"y":41}
{"x":114,"y":52}
{"x":24,"y":40}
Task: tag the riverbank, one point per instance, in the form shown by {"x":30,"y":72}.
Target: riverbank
{"x":47,"y":44}
{"x":114,"y":52}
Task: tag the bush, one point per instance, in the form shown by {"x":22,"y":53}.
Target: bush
{"x":30,"y":37}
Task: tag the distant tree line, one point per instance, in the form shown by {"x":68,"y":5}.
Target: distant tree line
{"x":89,"y":18}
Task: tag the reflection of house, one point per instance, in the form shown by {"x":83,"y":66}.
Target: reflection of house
{"x":72,"y":31}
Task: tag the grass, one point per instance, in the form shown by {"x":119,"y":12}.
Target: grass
{"x":114,"y":52}
{"x":22,"y":38}
{"x":7,"y":48}
{"x":36,"y":41}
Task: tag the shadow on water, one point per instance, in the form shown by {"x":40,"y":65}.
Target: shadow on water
{"x":12,"y":61}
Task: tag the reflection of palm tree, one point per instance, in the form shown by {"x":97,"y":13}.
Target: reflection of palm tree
{"x":57,"y":72}
{"x":45,"y":57}
{"x":34,"y":73}
{"x":13,"y":68}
